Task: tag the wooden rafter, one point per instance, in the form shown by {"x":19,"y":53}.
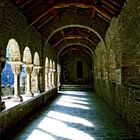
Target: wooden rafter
{"x":109,"y":5}
{"x":34,"y":6}
{"x":115,"y":3}
{"x":58,"y":6}
{"x":41,"y":16}
{"x":86,"y":37}
{"x":67,"y":38}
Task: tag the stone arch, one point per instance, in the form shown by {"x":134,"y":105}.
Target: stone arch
{"x":78,"y":43}
{"x":50,"y":64}
{"x":36,"y":59}
{"x":14,"y":50}
{"x":46,"y":62}
{"x":53,"y":65}
{"x":75,"y":25}
{"x":112,"y":66}
{"x":27,"y":57}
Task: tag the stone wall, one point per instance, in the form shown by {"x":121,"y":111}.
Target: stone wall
{"x":11,"y":117}
{"x":14,"y":25}
{"x":121,"y":87}
{"x":69,"y":63}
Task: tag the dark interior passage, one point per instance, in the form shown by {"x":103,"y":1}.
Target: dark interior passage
{"x":74,"y":115}
{"x":79,"y":70}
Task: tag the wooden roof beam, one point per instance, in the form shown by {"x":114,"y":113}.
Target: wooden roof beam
{"x":34,"y":6}
{"x":20,"y":2}
{"x":104,"y":14}
{"x":66,"y":38}
{"x":109,"y":10}
{"x":109,"y":5}
{"x":85,"y":36}
{"x":115,"y":3}
{"x":41,"y":16}
{"x":93,"y":13}
{"x":44,"y":22}
{"x":26,"y":3}
{"x":98,"y":9}
{"x":78,"y":5}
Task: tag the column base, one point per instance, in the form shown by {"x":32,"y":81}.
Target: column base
{"x":29,"y":94}
{"x":37,"y":92}
{"x":2,"y":106}
{"x":17,"y":98}
{"x":51,"y":86}
{"x":47,"y":88}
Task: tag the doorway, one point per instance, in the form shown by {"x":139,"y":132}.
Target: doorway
{"x":79,"y":70}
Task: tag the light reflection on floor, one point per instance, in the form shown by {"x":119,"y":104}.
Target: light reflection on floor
{"x":69,"y":118}
{"x":60,"y":125}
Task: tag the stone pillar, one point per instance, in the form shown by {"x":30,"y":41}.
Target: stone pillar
{"x":16,"y":68}
{"x":58,"y":80}
{"x":50,"y":78}
{"x":53,"y":78}
{"x":28,"y":69}
{"x":36,"y":71}
{"x":46,"y":78}
{"x":2,"y":63}
{"x":58,"y":76}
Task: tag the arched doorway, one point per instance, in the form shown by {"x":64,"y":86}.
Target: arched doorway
{"x":79,"y":68}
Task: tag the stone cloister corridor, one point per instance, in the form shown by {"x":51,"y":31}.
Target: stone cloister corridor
{"x":74,"y":115}
{"x":74,"y":63}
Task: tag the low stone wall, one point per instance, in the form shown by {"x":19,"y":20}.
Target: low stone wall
{"x":11,"y":117}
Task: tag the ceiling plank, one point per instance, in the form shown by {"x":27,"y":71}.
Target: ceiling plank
{"x":41,"y":16}
{"x":104,"y":14}
{"x":109,"y":5}
{"x":93,"y":13}
{"x":115,"y":3}
{"x":67,"y":38}
{"x":85,"y":36}
{"x":33,"y":7}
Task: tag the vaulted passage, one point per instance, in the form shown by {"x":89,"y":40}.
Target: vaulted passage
{"x":74,"y":115}
{"x":47,"y":46}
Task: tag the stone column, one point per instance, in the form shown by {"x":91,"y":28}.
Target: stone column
{"x":53,"y":78}
{"x":50,"y":78}
{"x":58,"y":76}
{"x":58,"y":80}
{"x":2,"y":63}
{"x":16,"y":68}
{"x":36,"y":71}
{"x":28,"y":70}
{"x":46,"y":78}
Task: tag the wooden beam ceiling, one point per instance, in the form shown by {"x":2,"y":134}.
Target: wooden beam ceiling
{"x":41,"y":12}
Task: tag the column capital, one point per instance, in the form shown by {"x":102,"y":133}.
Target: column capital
{"x":16,"y":67}
{"x":28,"y":68}
{"x":36,"y":69}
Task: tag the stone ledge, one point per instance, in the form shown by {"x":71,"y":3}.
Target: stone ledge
{"x":12,"y":116}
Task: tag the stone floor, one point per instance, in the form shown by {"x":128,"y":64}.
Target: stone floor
{"x":74,"y":115}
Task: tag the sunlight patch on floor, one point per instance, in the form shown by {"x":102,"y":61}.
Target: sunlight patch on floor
{"x":65,"y":98}
{"x":69,"y":118}
{"x":71,"y":105}
{"x":73,"y":93}
{"x":37,"y":134}
{"x":60,"y":129}
{"x":76,"y":98}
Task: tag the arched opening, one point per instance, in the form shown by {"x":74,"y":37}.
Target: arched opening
{"x":7,"y":77}
{"x":27,"y":59}
{"x":79,"y":68}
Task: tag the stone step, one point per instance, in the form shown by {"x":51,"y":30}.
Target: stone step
{"x":75,"y":87}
